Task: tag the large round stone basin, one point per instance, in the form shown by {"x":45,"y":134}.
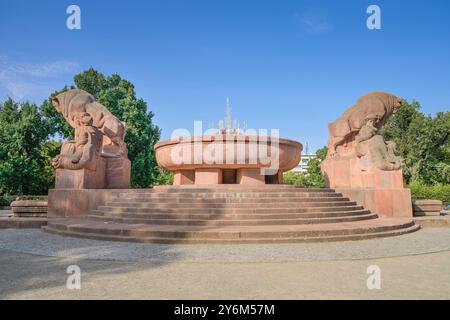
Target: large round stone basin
{"x":228,"y":158}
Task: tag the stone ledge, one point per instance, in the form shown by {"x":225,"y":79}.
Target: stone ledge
{"x":22,"y":223}
{"x":29,"y":208}
{"x":433,"y":222}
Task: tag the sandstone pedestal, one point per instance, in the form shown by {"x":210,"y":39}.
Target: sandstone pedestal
{"x":76,"y":203}
{"x":82,"y":178}
{"x":426,"y":207}
{"x":250,"y":177}
{"x":184,"y":177}
{"x":29,"y":208}
{"x":208,"y":176}
{"x":379,"y":191}
{"x":117,"y":173}
{"x":110,"y":173}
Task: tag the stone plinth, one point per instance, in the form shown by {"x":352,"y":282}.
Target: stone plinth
{"x":75,"y":203}
{"x":346,"y":172}
{"x":81,"y":178}
{"x":379,"y":191}
{"x":424,"y":207}
{"x":208,"y":176}
{"x":117,"y":173}
{"x":111,"y":173}
{"x":184,"y":177}
{"x":386,"y":202}
{"x":250,"y":177}
{"x":29,"y":208}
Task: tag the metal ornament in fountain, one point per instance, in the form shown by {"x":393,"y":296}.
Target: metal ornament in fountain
{"x":228,"y":157}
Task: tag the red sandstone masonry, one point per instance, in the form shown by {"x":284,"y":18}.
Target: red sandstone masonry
{"x":225,"y":214}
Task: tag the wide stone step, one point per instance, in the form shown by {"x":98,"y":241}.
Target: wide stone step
{"x":231,"y":222}
{"x":237,"y":216}
{"x":212,"y":191}
{"x":236,"y":188}
{"x":232,"y":234}
{"x":226,"y":195}
{"x":224,"y":210}
{"x":234,"y":204}
{"x":239,"y":199}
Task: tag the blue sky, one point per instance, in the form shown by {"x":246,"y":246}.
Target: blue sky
{"x":290,"y":65}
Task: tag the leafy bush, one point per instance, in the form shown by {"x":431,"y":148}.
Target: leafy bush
{"x":294,"y":178}
{"x":313,"y":178}
{"x":304,"y":180}
{"x":435,"y":192}
{"x":163,"y":177}
{"x":43,"y":198}
{"x":6,"y":199}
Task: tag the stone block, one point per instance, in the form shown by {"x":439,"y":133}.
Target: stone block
{"x":208,"y":176}
{"x":75,"y":203}
{"x":118,"y":171}
{"x":184,"y":177}
{"x":250,"y":177}
{"x":422,"y":207}
{"x":385,"y":202}
{"x":29,"y":208}
{"x":81,"y":178}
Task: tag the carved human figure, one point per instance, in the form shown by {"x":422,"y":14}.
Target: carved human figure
{"x":368,"y":130}
{"x":84,"y":151}
{"x":376,"y":106}
{"x":74,"y":101}
{"x":379,"y":154}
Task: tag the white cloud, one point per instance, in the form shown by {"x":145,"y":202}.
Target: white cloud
{"x":50,"y":69}
{"x":313,"y":23}
{"x":24,"y":80}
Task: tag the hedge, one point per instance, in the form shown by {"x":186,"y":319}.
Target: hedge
{"x":5,"y":200}
{"x":435,"y":192}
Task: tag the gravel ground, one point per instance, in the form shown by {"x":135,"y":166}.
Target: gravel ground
{"x":36,"y":242}
{"x":414,"y":266}
{"x":26,"y":276}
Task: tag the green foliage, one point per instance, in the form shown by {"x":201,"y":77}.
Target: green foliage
{"x":423,"y":142}
{"x":435,"y":192}
{"x":44,"y":198}
{"x":23,"y":152}
{"x":164,"y":177}
{"x":118,"y":95}
{"x":6,"y":199}
{"x":295,"y":178}
{"x":55,"y":120}
{"x":313,"y":178}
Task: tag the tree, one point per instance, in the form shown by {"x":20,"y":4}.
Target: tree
{"x":313,"y":178}
{"x":58,"y":125}
{"x":119,"y":96}
{"x":314,"y":175}
{"x":423,"y":142}
{"x":24,"y":154}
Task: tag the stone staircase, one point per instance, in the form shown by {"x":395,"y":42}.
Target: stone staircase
{"x":229,"y":214}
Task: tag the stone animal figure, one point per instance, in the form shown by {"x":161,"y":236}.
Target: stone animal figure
{"x":72,"y":102}
{"x":84,"y":151}
{"x":374,"y":105}
{"x":380,"y":152}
